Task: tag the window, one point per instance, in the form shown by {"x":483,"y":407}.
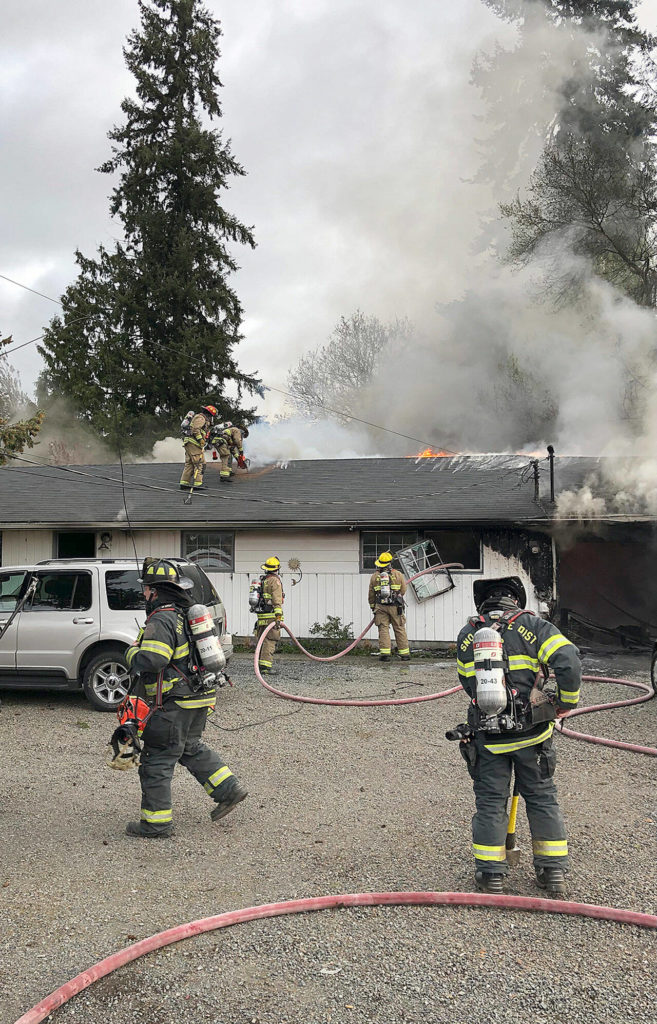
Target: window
{"x":457,"y":546}
{"x":11,"y":584}
{"x":213,"y":551}
{"x":374,"y":543}
{"x":453,"y":545}
{"x":124,"y":591}
{"x":67,"y":591}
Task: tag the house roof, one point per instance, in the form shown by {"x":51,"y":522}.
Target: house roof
{"x":480,"y":489}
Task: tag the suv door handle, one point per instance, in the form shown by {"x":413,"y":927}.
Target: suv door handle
{"x":86,"y":622}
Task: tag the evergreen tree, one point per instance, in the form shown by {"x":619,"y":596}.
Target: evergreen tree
{"x":16,"y":436}
{"x":594,"y":189}
{"x":148,"y":328}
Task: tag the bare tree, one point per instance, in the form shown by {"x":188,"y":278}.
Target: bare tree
{"x":329,"y":377}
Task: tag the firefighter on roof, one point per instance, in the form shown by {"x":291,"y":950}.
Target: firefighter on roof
{"x":167,"y":680}
{"x":266,"y":600}
{"x":510,"y":725}
{"x":195,"y":430}
{"x":229,"y":444}
{"x":386,"y":599}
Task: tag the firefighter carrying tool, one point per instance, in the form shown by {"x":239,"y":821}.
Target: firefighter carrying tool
{"x":500,"y":655}
{"x":386,"y":599}
{"x":179,"y":662}
{"x":195,"y":429}
{"x":228,"y":441}
{"x":266,"y":599}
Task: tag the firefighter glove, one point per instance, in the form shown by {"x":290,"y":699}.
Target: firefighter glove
{"x":241,"y":461}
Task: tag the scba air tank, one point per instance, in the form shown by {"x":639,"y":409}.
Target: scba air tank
{"x":488,"y":651}
{"x":208,"y":647}
{"x":255,"y":595}
{"x":385,"y":593}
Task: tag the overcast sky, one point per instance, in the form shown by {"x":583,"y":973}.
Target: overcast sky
{"x":353,"y":119}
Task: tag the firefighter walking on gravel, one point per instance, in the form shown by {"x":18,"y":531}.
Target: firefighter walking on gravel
{"x":386,"y":599}
{"x":266,"y":600}
{"x":168,"y":677}
{"x":229,"y":443}
{"x":500,"y":656}
{"x":195,"y":430}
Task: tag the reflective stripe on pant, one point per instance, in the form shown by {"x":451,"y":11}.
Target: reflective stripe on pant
{"x":268,"y":649}
{"x":384,"y":617}
{"x":194,"y":465}
{"x":172,"y":735}
{"x":491,"y":783}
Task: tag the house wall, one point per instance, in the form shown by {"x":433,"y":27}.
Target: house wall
{"x":332,"y":583}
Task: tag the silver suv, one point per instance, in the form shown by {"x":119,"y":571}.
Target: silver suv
{"x":74,"y":631}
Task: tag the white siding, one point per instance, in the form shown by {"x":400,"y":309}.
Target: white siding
{"x":344,"y":593}
{"x":148,"y":542}
{"x":332,"y":583}
{"x":25,"y":547}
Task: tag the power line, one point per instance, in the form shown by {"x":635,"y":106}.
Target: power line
{"x":266,"y":387}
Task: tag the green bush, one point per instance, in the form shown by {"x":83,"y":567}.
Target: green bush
{"x":332,"y":629}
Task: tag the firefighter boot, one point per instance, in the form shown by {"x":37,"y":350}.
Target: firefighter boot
{"x":552,"y":879}
{"x":229,"y":800}
{"x":487,"y":881}
{"x":384,"y":657}
{"x":134,"y":828}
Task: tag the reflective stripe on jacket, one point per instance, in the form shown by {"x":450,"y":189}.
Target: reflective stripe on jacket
{"x":397,"y":585}
{"x":529,"y":642}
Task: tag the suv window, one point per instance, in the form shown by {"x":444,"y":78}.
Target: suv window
{"x":68,"y":591}
{"x":124,"y":590}
{"x":11,"y":584}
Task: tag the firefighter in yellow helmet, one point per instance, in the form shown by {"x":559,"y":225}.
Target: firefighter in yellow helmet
{"x":386,"y":599}
{"x":229,"y":443}
{"x":269,"y":608}
{"x":195,"y":433}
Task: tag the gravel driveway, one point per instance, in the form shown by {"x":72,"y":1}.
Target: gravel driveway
{"x":341,"y":800}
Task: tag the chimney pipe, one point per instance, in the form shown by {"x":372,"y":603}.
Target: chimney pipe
{"x":550,"y":449}
{"x":536,"y":477}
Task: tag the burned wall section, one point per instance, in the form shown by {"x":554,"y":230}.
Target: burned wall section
{"x":533,"y":550}
{"x":608,"y":582}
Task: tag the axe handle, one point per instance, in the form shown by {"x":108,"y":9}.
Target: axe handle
{"x":511,"y":828}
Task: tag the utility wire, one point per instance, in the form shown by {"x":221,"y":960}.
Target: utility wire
{"x":288,"y":394}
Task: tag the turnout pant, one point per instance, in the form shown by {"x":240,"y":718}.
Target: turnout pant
{"x":226,"y":457}
{"x":192,"y":474}
{"x":491,"y":776}
{"x":172,"y":735}
{"x":268,"y":649}
{"x":386,"y":616}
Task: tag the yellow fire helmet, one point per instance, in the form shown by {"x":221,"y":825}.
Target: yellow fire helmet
{"x":272,"y":564}
{"x":384,"y":560}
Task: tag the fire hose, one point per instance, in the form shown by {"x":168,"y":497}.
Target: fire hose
{"x":82,"y":981}
{"x":647,"y":694}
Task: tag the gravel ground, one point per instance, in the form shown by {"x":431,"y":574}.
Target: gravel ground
{"x":341,"y":800}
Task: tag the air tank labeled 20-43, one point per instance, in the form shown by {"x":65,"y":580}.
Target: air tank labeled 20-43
{"x":208,"y":647}
{"x":488,"y":651}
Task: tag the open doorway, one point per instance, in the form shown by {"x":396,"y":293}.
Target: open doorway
{"x":75,"y":545}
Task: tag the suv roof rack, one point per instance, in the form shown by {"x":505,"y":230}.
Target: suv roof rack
{"x":68,"y":561}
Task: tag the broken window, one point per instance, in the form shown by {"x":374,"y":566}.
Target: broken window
{"x":421,"y":556}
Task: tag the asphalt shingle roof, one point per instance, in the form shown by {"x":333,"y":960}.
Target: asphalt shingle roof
{"x":493,"y":489}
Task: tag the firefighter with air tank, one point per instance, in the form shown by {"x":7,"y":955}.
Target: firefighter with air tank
{"x":266,"y":600}
{"x":178,"y":660}
{"x":386,"y":599}
{"x":500,"y":654}
{"x":195,"y":429}
{"x":229,"y":441}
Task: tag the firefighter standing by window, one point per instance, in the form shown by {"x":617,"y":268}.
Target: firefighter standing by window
{"x":266,"y":600}
{"x":195,"y":431}
{"x":229,"y":444}
{"x":510,"y":725}
{"x":386,"y":599}
{"x":172,"y":734}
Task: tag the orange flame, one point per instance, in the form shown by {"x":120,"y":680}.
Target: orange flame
{"x":430,"y":453}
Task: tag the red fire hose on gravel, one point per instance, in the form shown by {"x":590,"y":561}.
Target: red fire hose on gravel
{"x":82,"y":981}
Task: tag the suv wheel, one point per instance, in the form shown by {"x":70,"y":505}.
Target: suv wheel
{"x":106,"y":679}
